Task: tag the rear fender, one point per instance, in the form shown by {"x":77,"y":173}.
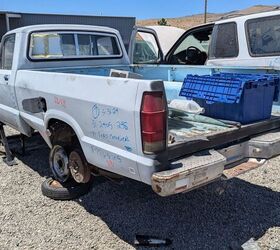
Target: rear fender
{"x":64,"y":117}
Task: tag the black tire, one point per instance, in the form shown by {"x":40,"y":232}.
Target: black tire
{"x":67,"y":191}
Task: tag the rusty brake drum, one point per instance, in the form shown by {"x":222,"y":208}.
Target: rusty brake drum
{"x":79,"y":167}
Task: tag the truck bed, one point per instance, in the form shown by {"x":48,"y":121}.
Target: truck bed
{"x":197,"y":137}
{"x":188,"y":137}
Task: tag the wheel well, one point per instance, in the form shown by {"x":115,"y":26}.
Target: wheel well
{"x":62,"y":133}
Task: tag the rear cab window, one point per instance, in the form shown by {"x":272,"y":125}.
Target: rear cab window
{"x":263,"y":36}
{"x":224,"y":42}
{"x":58,"y":45}
{"x":7,"y":53}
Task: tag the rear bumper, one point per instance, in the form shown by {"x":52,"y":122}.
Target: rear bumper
{"x":198,"y":170}
{"x":189,"y":173}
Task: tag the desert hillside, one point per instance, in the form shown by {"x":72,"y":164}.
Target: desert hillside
{"x":190,"y":21}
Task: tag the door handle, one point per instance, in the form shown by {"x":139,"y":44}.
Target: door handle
{"x":6,"y":78}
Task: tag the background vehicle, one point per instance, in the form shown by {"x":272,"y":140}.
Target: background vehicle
{"x":145,"y":47}
{"x":250,"y":40}
{"x":76,"y":87}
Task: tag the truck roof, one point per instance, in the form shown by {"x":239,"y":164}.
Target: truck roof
{"x":244,"y":18}
{"x":241,"y":18}
{"x":43,"y":27}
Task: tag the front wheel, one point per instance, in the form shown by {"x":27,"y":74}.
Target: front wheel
{"x":59,"y":163}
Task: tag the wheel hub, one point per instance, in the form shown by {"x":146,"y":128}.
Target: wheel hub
{"x":79,"y":167}
{"x":59,"y":163}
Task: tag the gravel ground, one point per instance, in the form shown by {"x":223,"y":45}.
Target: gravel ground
{"x":111,"y":214}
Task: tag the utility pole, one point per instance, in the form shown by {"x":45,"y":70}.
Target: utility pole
{"x":205,"y":11}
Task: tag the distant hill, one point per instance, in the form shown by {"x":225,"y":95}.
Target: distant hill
{"x":190,"y":21}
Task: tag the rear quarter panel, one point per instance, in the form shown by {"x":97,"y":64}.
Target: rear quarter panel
{"x":103,"y":111}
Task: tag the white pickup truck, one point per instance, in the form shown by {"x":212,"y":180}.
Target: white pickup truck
{"x":75,"y":85}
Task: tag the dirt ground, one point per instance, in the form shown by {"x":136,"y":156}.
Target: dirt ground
{"x":112,"y":214}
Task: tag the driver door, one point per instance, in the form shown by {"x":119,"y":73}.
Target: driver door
{"x":144,"y":47}
{"x":9,"y":113}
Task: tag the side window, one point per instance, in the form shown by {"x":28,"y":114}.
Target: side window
{"x":8,"y":52}
{"x":192,"y":49}
{"x":146,"y":49}
{"x":189,"y":41}
{"x":224,"y":42}
{"x":264,"y":36}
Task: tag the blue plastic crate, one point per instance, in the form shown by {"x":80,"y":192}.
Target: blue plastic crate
{"x":235,"y":97}
{"x":274,"y":77}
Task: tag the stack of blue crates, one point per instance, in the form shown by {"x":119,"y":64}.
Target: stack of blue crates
{"x":243,"y":98}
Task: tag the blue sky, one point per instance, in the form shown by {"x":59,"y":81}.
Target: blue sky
{"x":142,"y":9}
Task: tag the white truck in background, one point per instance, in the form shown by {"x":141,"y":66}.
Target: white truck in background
{"x":74,"y":84}
{"x":243,"y":41}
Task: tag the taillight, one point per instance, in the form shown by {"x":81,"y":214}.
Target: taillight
{"x":153,"y":122}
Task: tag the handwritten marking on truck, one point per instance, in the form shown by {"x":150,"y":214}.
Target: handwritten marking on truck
{"x":60,"y":101}
{"x":110,"y":160}
{"x":122,"y":125}
{"x":111,"y":137}
{"x":95,"y":111}
{"x":107,"y":126}
{"x":100,"y":153}
{"x":102,"y":110}
{"x":110,"y":163}
{"x":128,"y":148}
{"x":110,"y":125}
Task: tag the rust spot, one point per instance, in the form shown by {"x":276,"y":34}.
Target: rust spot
{"x":240,"y":169}
{"x":163,"y":178}
{"x":158,"y":189}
